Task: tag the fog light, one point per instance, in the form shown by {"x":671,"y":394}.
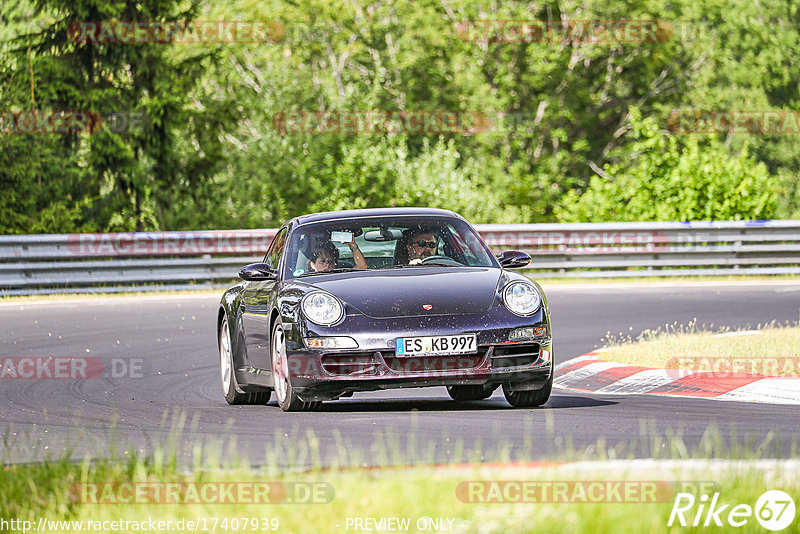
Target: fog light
{"x":340,"y":342}
{"x":528,"y":332}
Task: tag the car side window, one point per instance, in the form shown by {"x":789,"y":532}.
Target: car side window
{"x":273,"y":257}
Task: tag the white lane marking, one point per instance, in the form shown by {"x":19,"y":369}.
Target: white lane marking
{"x":584,"y":372}
{"x":576,"y":360}
{"x":651,"y":467}
{"x":772,"y":390}
{"x":641,"y":382}
{"x":738,"y":333}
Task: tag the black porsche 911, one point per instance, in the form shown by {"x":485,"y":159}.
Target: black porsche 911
{"x":372,"y":299}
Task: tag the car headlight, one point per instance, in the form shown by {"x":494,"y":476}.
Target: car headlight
{"x":521,"y":298}
{"x":322,"y":308}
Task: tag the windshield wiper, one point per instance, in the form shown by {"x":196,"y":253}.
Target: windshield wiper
{"x":442,"y":263}
{"x":449,"y":262}
{"x":338,"y":270}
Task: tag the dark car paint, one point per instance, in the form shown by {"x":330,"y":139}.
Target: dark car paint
{"x":402,"y":292}
{"x":252,"y":308}
{"x":375,"y":212}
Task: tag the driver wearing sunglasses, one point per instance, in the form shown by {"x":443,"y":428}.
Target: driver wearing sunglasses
{"x":420,"y":245}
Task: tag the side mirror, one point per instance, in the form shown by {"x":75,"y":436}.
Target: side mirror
{"x":258,"y":271}
{"x":514,"y":259}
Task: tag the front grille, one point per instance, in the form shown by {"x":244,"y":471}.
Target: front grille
{"x":358,"y":363}
{"x":369,"y":363}
{"x":432,"y":364}
{"x":515,"y":355}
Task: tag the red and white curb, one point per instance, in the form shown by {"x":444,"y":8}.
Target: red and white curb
{"x":589,"y":373}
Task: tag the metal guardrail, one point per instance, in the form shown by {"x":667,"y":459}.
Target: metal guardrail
{"x":179,"y":260}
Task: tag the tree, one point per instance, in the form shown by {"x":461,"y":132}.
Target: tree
{"x":124,"y":178}
{"x":660,"y":178}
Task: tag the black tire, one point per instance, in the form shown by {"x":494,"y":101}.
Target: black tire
{"x":230,"y":386}
{"x":287,"y":398}
{"x":469,"y":392}
{"x":531,"y":398}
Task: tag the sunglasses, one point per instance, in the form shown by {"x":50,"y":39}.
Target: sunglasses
{"x":329,"y":261}
{"x":423,"y":244}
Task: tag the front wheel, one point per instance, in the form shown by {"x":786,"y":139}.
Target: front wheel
{"x":287,"y":398}
{"x":230,"y":387}
{"x":529,"y":399}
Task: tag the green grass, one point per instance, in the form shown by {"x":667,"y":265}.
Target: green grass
{"x":35,"y":491}
{"x":771,"y":350}
{"x":48,"y":489}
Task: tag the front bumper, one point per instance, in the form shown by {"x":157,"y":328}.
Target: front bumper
{"x":325,"y":375}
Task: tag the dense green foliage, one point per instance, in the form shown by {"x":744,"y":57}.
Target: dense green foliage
{"x":589,"y":139}
{"x":670,"y":181}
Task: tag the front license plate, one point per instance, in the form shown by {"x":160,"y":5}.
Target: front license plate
{"x":417,"y":346}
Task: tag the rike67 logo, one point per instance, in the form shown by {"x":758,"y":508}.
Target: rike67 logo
{"x":774,"y":510}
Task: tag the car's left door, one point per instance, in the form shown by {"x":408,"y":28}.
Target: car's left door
{"x":257,"y":302}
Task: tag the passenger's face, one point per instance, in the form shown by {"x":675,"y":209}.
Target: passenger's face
{"x":324,"y":262}
{"x":421,"y":246}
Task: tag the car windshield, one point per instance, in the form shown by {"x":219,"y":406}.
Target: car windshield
{"x":384,"y":243}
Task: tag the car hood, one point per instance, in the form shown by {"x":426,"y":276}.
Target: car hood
{"x":405,"y":292}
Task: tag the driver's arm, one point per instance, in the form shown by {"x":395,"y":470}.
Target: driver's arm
{"x":358,"y":257}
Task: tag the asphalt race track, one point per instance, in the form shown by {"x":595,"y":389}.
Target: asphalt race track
{"x":173,"y":393}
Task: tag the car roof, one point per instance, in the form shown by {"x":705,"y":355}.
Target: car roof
{"x":373,"y":212}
